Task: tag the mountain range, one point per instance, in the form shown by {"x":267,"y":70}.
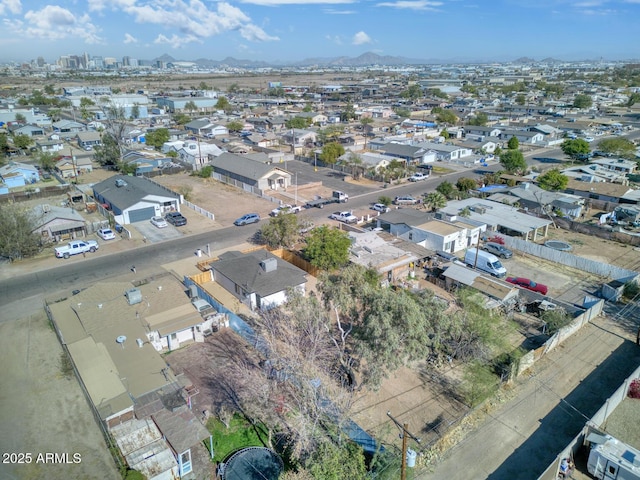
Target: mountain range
{"x":365,"y":60}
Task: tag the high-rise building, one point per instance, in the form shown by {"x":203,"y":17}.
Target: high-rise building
{"x":40,"y":62}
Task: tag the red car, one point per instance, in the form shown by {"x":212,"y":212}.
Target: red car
{"x":528,"y":284}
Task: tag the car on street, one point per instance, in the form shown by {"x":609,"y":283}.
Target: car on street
{"x":380,"y":207}
{"x":247,"y":219}
{"x":106,"y":234}
{"x":589,"y":139}
{"x":285,"y":209}
{"x":405,"y":200}
{"x":346,"y":217}
{"x":528,"y":284}
{"x":418,"y":176}
{"x":159,"y":222}
{"x":175,"y":218}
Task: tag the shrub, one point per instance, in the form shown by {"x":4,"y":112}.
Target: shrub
{"x":630,"y":290}
{"x":634,"y":388}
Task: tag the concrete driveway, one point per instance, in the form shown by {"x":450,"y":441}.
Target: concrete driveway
{"x":155,"y":234}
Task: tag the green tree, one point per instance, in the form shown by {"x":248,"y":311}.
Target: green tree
{"x":331,"y":152}
{"x":465,"y":184}
{"x":54,"y":114}
{"x":349,"y":112}
{"x":108,"y":154}
{"x":447,"y":117}
{"x":281,"y":231}
{"x":520,"y":99}
{"x":575,"y":148}
{"x":17,"y":237}
{"x":513,"y":143}
{"x":337,"y":462}
{"x":307,"y":108}
{"x":86,"y":102}
{"x":552,"y":180}
{"x":4,"y":145}
{"x":513,"y":161}
{"x":402,"y":112}
{"x":327,"y":248}
{"x":633,"y":99}
{"x":330,"y":134}
{"x":620,"y":147}
{"x":235,"y":126}
{"x":435,"y":200}
{"x":181,"y":119}
{"x":582,"y":101}
{"x":49,"y":89}
{"x":436,"y":92}
{"x":156,"y":138}
{"x":191,"y":107}
{"x":480,"y":118}
{"x":206,"y":171}
{"x":20,"y":118}
{"x":203,"y":86}
{"x":223,"y":104}
{"x":297,"y":122}
{"x":385,"y":200}
{"x":135,"y":111}
{"x":447,"y":189}
{"x":22,"y":142}
{"x":413,"y":92}
{"x":46,"y":160}
{"x":444,"y":134}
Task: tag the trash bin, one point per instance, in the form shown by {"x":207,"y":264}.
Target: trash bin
{"x":118,"y":228}
{"x":411,"y":458}
{"x":199,"y":252}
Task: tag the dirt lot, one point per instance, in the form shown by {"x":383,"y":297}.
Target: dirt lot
{"x":43,"y":410}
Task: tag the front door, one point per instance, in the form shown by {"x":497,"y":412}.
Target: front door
{"x":185,"y":463}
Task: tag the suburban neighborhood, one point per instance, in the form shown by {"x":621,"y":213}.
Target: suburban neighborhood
{"x":323,"y":274}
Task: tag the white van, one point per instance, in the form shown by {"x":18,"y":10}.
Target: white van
{"x":487,"y":262}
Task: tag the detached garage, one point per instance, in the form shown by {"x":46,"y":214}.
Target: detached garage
{"x":134,"y":199}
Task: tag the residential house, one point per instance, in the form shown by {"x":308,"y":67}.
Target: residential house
{"x":206,"y":128}
{"x":56,"y":224}
{"x":299,"y":138}
{"x":446,"y":152}
{"x":498,"y":218}
{"x":145,"y":161}
{"x":276,"y":123}
{"x":533,"y":198}
{"x":369,"y":159}
{"x":196,"y":153}
{"x":392,"y":263}
{"x":178,"y":104}
{"x":485,"y":146}
{"x":29,"y":131}
{"x":67,"y":128}
{"x":258,"y":279}
{"x":135,"y":199}
{"x":595,"y":173}
{"x":89,"y":139}
{"x":315,"y":117}
{"x":263,"y":140}
{"x":136,"y":395}
{"x":616,"y":165}
{"x":50,"y":146}
{"x":481,"y":132}
{"x":603,"y":191}
{"x":262,"y":176}
{"x":17,"y":174}
{"x":71,"y":167}
{"x":412,"y":155}
{"x":523,"y":136}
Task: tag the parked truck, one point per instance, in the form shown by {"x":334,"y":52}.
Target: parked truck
{"x":613,"y":460}
{"x":76,"y":247}
{"x":336,"y":197}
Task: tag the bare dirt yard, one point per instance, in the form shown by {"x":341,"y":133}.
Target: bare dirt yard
{"x":43,"y":410}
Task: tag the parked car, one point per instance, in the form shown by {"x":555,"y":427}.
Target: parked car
{"x":528,"y":284}
{"x":247,"y":219}
{"x":159,"y":222}
{"x":405,"y":200}
{"x":175,"y":218}
{"x":285,"y":209}
{"x":498,"y":250}
{"x":380,"y":207}
{"x":418,"y":176}
{"x":106,"y":234}
{"x":346,"y":217}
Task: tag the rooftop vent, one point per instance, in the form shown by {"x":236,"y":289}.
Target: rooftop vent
{"x":133,"y":296}
{"x":120,"y":183}
{"x":269,"y":265}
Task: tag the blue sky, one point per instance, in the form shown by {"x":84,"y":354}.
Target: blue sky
{"x":292,"y":30}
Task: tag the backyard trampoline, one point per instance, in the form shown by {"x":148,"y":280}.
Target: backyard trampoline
{"x":252,"y":463}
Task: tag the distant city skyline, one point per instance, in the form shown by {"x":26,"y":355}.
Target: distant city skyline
{"x":293,"y":30}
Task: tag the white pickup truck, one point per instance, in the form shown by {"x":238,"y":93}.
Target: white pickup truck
{"x":346,"y":217}
{"x":76,"y":247}
{"x":285,"y":209}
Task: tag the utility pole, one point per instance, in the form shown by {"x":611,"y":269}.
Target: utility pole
{"x":405,"y":433}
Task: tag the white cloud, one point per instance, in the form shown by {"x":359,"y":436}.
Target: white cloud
{"x":193,"y":19}
{"x":10,"y":6}
{"x":275,"y":3}
{"x":361,"y":38}
{"x":412,"y":5}
{"x":128,"y":38}
{"x":54,"y":23}
{"x":333,"y":11}
{"x":335,"y":39}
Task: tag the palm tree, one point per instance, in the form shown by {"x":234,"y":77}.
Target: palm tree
{"x":366,"y":122}
{"x":435,"y":200}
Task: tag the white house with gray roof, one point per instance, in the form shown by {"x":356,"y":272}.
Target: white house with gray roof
{"x":135,"y":199}
{"x":259,"y":279}
{"x":257,"y":174}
